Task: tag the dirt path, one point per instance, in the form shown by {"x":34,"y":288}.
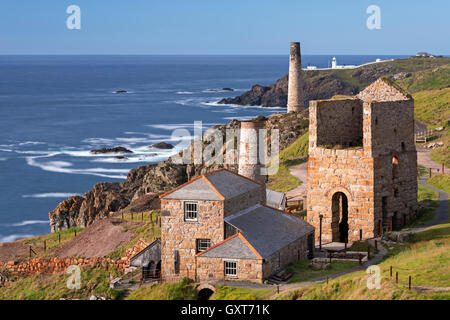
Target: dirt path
{"x":423,"y":158}
{"x":299,"y":172}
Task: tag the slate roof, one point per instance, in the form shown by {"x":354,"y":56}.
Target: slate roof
{"x":264,"y":230}
{"x":235,"y":247}
{"x":218,"y":185}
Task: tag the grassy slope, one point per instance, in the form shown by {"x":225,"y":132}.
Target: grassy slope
{"x":54,"y":287}
{"x":425,"y":258}
{"x":441,"y":181}
{"x":291,"y":156}
{"x":167,"y":291}
{"x":233,"y":293}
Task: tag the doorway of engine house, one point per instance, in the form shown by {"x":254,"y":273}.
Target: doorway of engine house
{"x":339,"y":219}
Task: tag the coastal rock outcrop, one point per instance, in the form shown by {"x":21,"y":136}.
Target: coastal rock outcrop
{"x":315,"y":86}
{"x":162,"y":145}
{"x":111,"y":150}
{"x":138,"y":191}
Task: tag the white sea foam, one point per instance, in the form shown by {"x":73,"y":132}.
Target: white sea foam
{"x":242,"y":118}
{"x":185,"y":92}
{"x":27,"y":223}
{"x":14,"y":237}
{"x":5,"y":150}
{"x":3,"y":159}
{"x":65,"y":167}
{"x":50,"y":195}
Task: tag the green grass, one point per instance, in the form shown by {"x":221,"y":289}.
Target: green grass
{"x":440,"y":181}
{"x":428,"y":200}
{"x":425,"y":258}
{"x":433,"y":107}
{"x":52,"y":241}
{"x":94,"y":280}
{"x":291,"y":156}
{"x":233,"y":293}
{"x":302,"y":271}
{"x":428,"y":79}
{"x":362,"y":246}
{"x":167,"y":291}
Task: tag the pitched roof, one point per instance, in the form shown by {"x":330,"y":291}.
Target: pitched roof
{"x":384,"y":89}
{"x":264,"y":230}
{"x":235,"y":247}
{"x":217,"y":185}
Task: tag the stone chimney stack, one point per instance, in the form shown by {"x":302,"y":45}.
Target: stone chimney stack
{"x":249,"y":164}
{"x":295,"y":89}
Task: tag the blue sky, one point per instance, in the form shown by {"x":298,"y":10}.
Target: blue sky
{"x":224,"y":27}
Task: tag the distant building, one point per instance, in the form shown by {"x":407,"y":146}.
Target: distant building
{"x":334,"y":65}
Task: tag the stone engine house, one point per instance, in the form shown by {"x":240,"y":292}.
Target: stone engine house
{"x":217,"y":226}
{"x":362,"y":165}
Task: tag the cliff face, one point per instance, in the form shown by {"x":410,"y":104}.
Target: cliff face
{"x":314,"y":87}
{"x":145,"y":181}
{"x":324,"y":84}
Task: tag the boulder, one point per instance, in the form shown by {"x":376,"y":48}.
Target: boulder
{"x":162,"y":145}
{"x":111,"y":150}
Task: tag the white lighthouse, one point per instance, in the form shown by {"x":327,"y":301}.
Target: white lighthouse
{"x":334,"y":63}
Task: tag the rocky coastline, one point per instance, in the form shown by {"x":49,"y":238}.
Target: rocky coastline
{"x":145,"y":183}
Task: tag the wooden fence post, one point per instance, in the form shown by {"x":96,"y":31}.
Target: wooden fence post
{"x":396,"y":277}
{"x":142,"y":216}
{"x":376,"y":244}
{"x":360,"y":234}
{"x":75,"y":231}
{"x":59,"y":238}
{"x":391,"y":271}
{"x":409,"y":285}
{"x":45,"y":245}
{"x":368,"y":252}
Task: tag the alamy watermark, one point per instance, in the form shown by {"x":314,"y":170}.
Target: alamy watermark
{"x":374,"y":20}
{"x":74,"y":280}
{"x":222,"y":148}
{"x":73,"y":22}
{"x":374,"y":280}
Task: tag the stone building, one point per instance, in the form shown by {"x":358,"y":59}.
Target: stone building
{"x":250,"y":164}
{"x":295,"y":89}
{"x":362,"y":165}
{"x":217,"y":226}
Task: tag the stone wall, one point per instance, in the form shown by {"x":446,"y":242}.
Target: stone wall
{"x":56,"y":265}
{"x":180,"y":236}
{"x":338,"y":122}
{"x":245,"y":200}
{"x":212,"y":269}
{"x":295,"y":251}
{"x":377,"y":190}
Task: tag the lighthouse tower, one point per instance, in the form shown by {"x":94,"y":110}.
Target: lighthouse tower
{"x":334,"y":63}
{"x":295,"y":89}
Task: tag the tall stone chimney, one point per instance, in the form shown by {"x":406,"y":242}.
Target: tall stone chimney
{"x":295,"y":89}
{"x":249,"y":164}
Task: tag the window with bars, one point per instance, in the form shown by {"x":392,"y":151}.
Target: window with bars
{"x":230,"y":268}
{"x":190,"y":211}
{"x":203,"y":244}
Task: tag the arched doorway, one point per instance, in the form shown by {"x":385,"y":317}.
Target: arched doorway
{"x":205,"y":294}
{"x":339,"y":219}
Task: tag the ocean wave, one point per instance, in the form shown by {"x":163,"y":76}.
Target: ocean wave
{"x":33,"y":143}
{"x":3,"y":159}
{"x":184,"y":92}
{"x":64,"y":167}
{"x":50,"y":195}
{"x":14,"y":237}
{"x":6,"y":150}
{"x":174,"y":126}
{"x":217,"y":104}
{"x":242,"y":118}
{"x":26,"y":223}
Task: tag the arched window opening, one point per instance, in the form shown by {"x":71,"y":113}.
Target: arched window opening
{"x":394,"y":167}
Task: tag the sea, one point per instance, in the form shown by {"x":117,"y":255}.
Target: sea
{"x":55,"y":109}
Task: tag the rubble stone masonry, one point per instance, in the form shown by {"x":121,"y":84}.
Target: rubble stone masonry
{"x":370,"y":185}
